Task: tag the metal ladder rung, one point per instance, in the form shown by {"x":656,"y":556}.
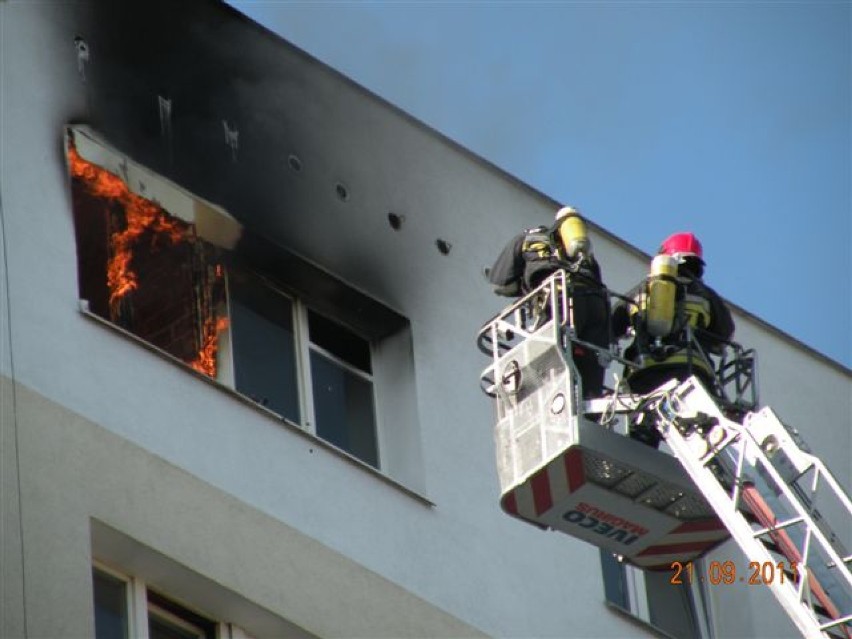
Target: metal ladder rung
{"x":713,"y":451}
{"x":836,"y":622}
{"x":843,"y":560}
{"x":781,"y":526}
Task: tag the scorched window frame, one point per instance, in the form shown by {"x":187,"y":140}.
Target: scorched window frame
{"x":140,"y":184}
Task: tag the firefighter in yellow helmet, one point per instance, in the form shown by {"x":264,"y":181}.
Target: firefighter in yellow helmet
{"x":535,"y":254}
{"x":661,"y":349}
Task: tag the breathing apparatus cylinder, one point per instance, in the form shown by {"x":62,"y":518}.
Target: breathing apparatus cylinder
{"x":661,"y":296}
{"x":572,"y":233}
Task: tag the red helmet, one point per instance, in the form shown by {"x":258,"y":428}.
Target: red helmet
{"x":680,"y":245}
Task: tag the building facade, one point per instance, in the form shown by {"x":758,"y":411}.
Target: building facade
{"x":265,"y":421}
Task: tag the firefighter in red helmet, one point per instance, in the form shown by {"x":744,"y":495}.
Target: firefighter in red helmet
{"x":700,"y":325}
{"x":683,"y":246}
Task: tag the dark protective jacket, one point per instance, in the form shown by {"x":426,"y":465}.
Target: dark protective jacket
{"x":698,"y":306}
{"x":508,"y":269}
{"x":527,"y":260}
{"x":530,"y":257}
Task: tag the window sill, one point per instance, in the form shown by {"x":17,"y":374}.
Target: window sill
{"x":293,"y":427}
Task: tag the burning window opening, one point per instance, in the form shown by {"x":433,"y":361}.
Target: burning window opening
{"x":147,"y":270}
{"x":273,"y":327}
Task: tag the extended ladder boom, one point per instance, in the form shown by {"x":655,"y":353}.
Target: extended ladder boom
{"x":565,"y":464}
{"x":765,"y":489}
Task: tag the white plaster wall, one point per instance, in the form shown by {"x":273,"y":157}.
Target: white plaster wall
{"x":462,"y":555}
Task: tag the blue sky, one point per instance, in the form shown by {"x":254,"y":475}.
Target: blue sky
{"x":729,"y":119}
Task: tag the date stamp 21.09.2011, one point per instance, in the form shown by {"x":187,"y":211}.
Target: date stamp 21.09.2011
{"x":725,"y":572}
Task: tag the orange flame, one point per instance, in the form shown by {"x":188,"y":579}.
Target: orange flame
{"x":142,"y":215}
{"x":205,"y":362}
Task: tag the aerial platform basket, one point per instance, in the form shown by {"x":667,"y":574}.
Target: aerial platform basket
{"x":607,"y":489}
{"x":561,"y":470}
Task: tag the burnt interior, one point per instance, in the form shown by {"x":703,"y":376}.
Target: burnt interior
{"x":91,"y":228}
{"x":179,"y":284}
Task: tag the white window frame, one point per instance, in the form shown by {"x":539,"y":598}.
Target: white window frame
{"x":310,"y":346}
{"x":303,"y":363}
{"x":130,"y":596}
{"x":139,"y":609}
{"x":638,"y":605}
{"x":637,"y":593}
{"x":303,"y":348}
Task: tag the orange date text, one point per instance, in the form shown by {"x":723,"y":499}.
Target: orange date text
{"x":725,"y":572}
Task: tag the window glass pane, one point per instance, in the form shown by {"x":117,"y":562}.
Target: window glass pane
{"x":264,"y":347}
{"x":340,"y":341}
{"x":672,"y":607}
{"x":159,"y":628}
{"x":343,"y":405}
{"x":110,"y":596}
{"x":169,"y":620}
{"x":615,"y":589}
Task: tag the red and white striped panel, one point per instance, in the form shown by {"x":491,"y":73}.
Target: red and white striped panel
{"x":556,"y":495}
{"x":689,"y":541}
{"x":549,"y":485}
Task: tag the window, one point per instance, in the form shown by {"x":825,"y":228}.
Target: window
{"x":111,"y":596}
{"x":677,"y":610}
{"x":152,"y":271}
{"x":264,"y":347}
{"x":342,"y":385}
{"x":124,"y":607}
{"x":300,"y":364}
{"x":180,"y":275}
